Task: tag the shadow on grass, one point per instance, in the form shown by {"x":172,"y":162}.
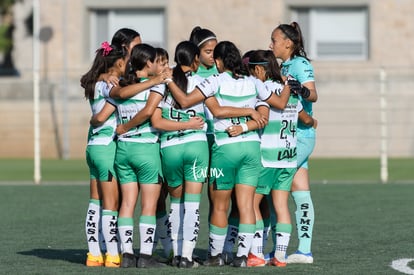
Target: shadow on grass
{"x":76,"y":256}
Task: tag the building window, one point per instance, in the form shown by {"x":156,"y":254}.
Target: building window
{"x":334,"y":33}
{"x":150,"y":23}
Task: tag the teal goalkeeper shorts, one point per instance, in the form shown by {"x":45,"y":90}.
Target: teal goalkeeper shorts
{"x":305,"y":146}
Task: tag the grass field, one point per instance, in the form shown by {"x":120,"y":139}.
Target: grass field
{"x":359,"y":229}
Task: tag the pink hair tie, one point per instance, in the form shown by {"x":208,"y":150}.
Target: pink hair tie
{"x":106,"y":48}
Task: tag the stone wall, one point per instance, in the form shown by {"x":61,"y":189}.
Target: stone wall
{"x":348,"y":108}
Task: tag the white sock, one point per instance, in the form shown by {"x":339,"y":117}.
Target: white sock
{"x":217,"y":236}
{"x":245,"y":239}
{"x":176,"y":218}
{"x":191,"y":224}
{"x":110,"y":231}
{"x":282,"y":242}
{"x":126,"y":234}
{"x":92,"y":224}
{"x":147,"y":227}
{"x":257,"y":242}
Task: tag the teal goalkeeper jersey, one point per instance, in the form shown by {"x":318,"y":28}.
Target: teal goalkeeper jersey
{"x":302,"y":70}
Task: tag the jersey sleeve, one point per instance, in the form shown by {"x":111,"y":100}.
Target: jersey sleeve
{"x":209,"y":86}
{"x":302,"y":70}
{"x":160,"y":89}
{"x":105,"y":88}
{"x":261,"y":103}
{"x":263,"y":93}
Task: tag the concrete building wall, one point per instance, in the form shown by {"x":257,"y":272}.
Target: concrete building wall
{"x":348,"y":108}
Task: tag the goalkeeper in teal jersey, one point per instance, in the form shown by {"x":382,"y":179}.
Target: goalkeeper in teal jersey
{"x":287,"y":44}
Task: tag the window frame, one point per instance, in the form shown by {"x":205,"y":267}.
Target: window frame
{"x":109,"y":5}
{"x":310,"y":44}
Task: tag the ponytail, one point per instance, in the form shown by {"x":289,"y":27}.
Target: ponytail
{"x":294,"y":33}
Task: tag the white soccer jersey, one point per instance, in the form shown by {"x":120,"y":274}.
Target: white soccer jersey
{"x":242,"y":92}
{"x":278,"y":146}
{"x":105,"y":133}
{"x":169,"y":112}
{"x":128,"y":108}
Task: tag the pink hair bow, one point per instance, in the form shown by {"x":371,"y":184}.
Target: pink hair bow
{"x":106,"y":48}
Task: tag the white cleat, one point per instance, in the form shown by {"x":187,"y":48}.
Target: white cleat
{"x":300,"y":258}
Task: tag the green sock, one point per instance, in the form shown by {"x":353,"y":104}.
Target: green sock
{"x":305,"y":218}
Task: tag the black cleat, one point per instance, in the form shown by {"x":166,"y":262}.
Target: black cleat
{"x":175,"y":261}
{"x":214,"y":261}
{"x":186,"y":263}
{"x":240,"y":261}
{"x":128,"y":260}
{"x":147,"y":261}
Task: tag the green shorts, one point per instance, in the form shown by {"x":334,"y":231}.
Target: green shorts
{"x":185,"y":162}
{"x":138,"y":162}
{"x":100,"y":159}
{"x":275,"y":179}
{"x":234,"y":164}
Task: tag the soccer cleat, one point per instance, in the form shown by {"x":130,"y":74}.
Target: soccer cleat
{"x":186,"y":263}
{"x":275,"y":262}
{"x":228,"y":258}
{"x":128,"y":260}
{"x":112,"y":261}
{"x":160,"y":258}
{"x":147,"y":261}
{"x":240,"y":261}
{"x":255,"y":261}
{"x":300,"y":258}
{"x":214,"y":261}
{"x":94,"y":260}
{"x":175,"y":261}
{"x":197,"y":259}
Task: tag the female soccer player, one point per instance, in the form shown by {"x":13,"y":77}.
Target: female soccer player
{"x":185,"y":156}
{"x":287,"y":44}
{"x":100,"y":155}
{"x":137,"y":160}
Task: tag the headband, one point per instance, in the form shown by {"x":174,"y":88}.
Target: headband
{"x":206,"y":39}
{"x":259,"y":63}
